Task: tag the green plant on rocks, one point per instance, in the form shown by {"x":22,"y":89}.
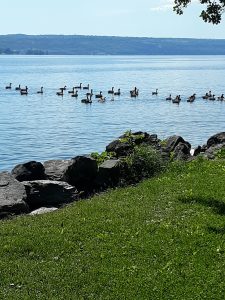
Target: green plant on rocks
{"x":100,"y":158}
{"x":143,"y":162}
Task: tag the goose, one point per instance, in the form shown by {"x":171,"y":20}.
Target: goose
{"x":8,"y":87}
{"x":155,"y":93}
{"x":169,"y":98}
{"x":191,"y":98}
{"x":17,"y":88}
{"x":72,"y":91}
{"x":86,"y":87}
{"x":134,"y":92}
{"x":102,"y":99}
{"x":90,"y":93}
{"x":177,"y":99}
{"x":99,"y":95}
{"x":79,"y":86}
{"x":75,"y":94}
{"x":61,"y":92}
{"x":206,"y":96}
{"x":117,"y":93}
{"x":212,"y":97}
{"x":221,"y":97}
{"x":111,"y":91}
{"x":87,"y":100}
{"x":24,"y":91}
{"x":64,"y":88}
{"x":41,"y":91}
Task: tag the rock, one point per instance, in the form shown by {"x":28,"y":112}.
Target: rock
{"x":197,"y":151}
{"x":109,"y":173}
{"x":82,"y":172}
{"x":43,"y":210}
{"x":213,"y":151}
{"x":31,"y":170}
{"x":56,"y":169}
{"x":182,"y":151}
{"x":12,"y":196}
{"x":172,"y":142}
{"x":49,"y":193}
{"x":120,"y":147}
{"x":216,"y":139}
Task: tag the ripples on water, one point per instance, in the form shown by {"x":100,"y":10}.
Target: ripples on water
{"x":42,"y":127}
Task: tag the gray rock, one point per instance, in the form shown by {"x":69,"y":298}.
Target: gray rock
{"x":109,"y":173}
{"x":82,"y":172}
{"x":197,"y":151}
{"x":212,"y":151}
{"x":43,"y":210}
{"x":216,"y":139}
{"x":173,"y":141}
{"x":12,"y":196}
{"x":49,"y":193}
{"x":182,"y":151}
{"x":31,"y":170}
{"x":56,"y":169}
{"x":120,"y":147}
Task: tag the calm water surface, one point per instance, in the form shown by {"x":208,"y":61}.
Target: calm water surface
{"x":42,"y":127}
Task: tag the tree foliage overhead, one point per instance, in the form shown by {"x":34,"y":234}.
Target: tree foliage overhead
{"x":212,"y":12}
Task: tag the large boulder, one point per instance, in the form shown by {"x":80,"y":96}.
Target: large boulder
{"x":215,"y":151}
{"x":31,"y":170}
{"x":216,"y":139}
{"x":56,"y":169}
{"x":82,"y":172}
{"x":172,"y":142}
{"x":12,"y":196}
{"x":49,"y":193}
{"x":120,"y":147}
{"x":182,"y":151}
{"x":109,"y":173}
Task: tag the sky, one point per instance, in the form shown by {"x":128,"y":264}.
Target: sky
{"x":137,"y":18}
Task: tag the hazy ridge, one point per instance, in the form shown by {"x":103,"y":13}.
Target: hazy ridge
{"x":107,"y":45}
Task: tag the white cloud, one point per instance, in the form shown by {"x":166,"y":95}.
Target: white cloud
{"x":165,"y":5}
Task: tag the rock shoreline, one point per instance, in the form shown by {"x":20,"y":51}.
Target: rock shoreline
{"x":34,"y":188}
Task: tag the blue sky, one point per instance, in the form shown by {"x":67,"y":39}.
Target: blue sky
{"x":147,"y":18}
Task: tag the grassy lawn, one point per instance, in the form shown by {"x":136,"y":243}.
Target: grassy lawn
{"x":162,"y":239}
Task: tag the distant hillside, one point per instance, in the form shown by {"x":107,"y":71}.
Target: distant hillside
{"x":107,"y":45}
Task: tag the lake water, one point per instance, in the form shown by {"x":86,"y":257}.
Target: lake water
{"x":42,"y":127}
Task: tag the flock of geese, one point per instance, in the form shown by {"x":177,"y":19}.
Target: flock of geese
{"x":88,"y":99}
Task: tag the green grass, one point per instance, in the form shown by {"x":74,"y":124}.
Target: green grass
{"x":162,"y":239}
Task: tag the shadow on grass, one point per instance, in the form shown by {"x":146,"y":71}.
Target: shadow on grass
{"x":216,"y":230}
{"x":217,"y":206}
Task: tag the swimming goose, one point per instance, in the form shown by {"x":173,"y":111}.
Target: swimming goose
{"x":98,"y":95}
{"x":212,"y":97}
{"x":87,"y":100}
{"x":24,"y":91}
{"x":72,"y":91}
{"x":155,"y":93}
{"x":41,"y":91}
{"x":111,"y":91}
{"x":17,"y":88}
{"x":8,"y":87}
{"x":221,"y":97}
{"x":191,"y":98}
{"x":61,"y":92}
{"x":169,"y":98}
{"x":86,"y":87}
{"x":79,"y":86}
{"x":90,"y":93}
{"x":75,"y":94}
{"x":117,"y":93}
{"x":134,"y":92}
{"x":177,"y":99}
